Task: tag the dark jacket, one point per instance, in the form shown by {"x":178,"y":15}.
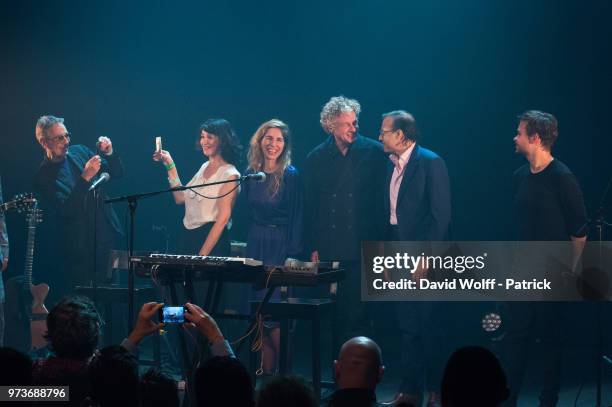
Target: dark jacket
{"x":61,"y":189}
{"x":342,"y":207}
{"x":423,"y":206}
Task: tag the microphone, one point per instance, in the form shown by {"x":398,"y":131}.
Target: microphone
{"x":258,"y":177}
{"x":102,"y":179}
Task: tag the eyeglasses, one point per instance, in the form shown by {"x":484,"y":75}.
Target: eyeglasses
{"x":383,"y":132}
{"x":61,"y":137}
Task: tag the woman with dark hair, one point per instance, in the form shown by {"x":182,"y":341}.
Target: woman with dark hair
{"x":208,"y":210}
{"x":275,"y":209}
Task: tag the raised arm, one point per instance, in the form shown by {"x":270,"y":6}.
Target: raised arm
{"x":165,"y":158}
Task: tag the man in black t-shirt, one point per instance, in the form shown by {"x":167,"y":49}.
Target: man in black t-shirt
{"x":549,"y":207}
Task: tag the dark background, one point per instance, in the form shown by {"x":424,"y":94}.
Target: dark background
{"x":135,"y":70}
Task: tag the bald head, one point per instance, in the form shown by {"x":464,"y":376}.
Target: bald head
{"x":359,"y":364}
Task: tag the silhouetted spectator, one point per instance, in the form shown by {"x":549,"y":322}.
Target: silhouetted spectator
{"x":357,"y":371}
{"x":73,"y":330}
{"x":286,"y":391}
{"x":114,"y":377}
{"x":223,"y":381}
{"x":158,"y":390}
{"x":473,"y":377}
{"x":20,"y":371}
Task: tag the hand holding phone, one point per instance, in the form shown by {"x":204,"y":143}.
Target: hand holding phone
{"x":145,"y":325}
{"x":204,"y":322}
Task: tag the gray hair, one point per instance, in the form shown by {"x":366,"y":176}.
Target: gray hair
{"x":335,"y":107}
{"x":44,"y":123}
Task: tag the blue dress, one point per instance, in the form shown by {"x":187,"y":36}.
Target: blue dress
{"x":275,"y":230}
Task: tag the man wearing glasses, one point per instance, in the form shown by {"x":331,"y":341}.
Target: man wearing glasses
{"x":418,"y":207}
{"x":62,"y":184}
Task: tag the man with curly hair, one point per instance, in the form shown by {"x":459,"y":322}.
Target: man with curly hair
{"x":344,"y":181}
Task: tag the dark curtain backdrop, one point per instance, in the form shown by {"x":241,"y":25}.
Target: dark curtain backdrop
{"x":465,"y":69}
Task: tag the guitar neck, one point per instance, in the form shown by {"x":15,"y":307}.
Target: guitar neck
{"x":33,"y":218}
{"x":29,"y":260}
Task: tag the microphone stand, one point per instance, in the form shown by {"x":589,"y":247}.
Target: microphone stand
{"x":600,"y":223}
{"x":94,"y":279}
{"x":132,"y":201}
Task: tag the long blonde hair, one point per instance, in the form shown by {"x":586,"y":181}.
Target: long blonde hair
{"x":256,"y":157}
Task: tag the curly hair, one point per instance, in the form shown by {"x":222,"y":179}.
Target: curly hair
{"x":256,"y":158}
{"x":43,"y":124}
{"x":335,"y":107}
{"x":229,"y":146}
{"x":73,"y":328}
{"x":544,"y":124}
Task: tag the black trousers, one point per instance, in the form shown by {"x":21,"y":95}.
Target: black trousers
{"x":525,"y":322}
{"x":421,"y":334}
{"x":422,"y":351}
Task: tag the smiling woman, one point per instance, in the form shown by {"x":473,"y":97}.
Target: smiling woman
{"x":275,"y":208}
{"x":208,"y":211}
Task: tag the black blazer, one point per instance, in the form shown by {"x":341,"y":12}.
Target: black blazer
{"x":423,"y":203}
{"x":62,"y":190}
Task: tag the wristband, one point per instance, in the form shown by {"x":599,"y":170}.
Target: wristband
{"x":169,"y":167}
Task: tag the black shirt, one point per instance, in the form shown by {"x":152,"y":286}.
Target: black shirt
{"x":549,"y":205}
{"x":343,"y":205}
{"x":353,"y":398}
{"x":61,"y":189}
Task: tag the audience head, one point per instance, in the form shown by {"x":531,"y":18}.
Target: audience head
{"x":73,"y":328}
{"x":114,"y":377}
{"x":223,"y":381}
{"x":359,"y":364}
{"x":286,"y":391}
{"x":473,"y":377}
{"x":158,"y":390}
{"x":20,"y":371}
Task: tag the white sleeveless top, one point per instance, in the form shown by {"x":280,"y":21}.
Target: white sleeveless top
{"x":200,"y":210}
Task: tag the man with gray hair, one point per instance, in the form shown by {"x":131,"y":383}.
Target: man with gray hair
{"x":344,"y":181}
{"x":63,"y":184}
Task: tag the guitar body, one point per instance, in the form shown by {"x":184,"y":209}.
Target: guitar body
{"x":38,"y":322}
